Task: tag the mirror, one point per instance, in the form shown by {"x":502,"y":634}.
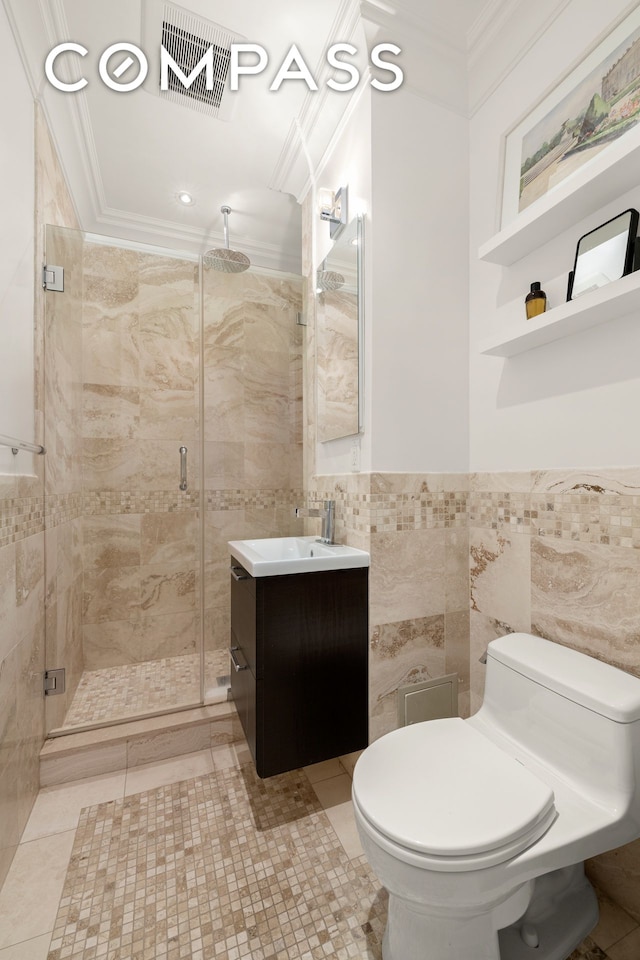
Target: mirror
{"x":605,"y":254}
{"x":339,"y":313}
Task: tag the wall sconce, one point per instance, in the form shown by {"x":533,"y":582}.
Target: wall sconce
{"x":334,"y":209}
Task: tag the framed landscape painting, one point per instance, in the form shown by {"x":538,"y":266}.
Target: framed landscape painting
{"x":595,"y":104}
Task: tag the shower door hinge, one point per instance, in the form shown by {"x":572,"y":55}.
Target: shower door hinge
{"x":53,"y":278}
{"x":54,"y":682}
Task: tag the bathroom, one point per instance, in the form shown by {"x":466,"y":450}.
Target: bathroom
{"x":516,"y":508}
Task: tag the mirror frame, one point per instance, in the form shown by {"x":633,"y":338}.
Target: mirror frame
{"x":359,"y":221}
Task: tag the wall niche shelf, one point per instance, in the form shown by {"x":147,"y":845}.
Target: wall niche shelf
{"x":607,"y":176}
{"x":591,"y":309}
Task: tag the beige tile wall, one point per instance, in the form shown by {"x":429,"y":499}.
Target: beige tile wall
{"x":556,"y":553}
{"x":252,"y":422}
{"x":141,"y":348}
{"x":22,"y":542}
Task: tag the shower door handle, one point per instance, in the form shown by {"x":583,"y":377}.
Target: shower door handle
{"x":183,"y":468}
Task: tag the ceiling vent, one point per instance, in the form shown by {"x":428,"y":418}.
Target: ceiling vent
{"x":187,"y":37}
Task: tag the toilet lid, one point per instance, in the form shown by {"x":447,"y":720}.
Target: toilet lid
{"x":444,"y":789}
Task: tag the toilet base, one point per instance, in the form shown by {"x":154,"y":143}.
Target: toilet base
{"x":418,"y":932}
{"x":554,"y":914}
{"x":563,"y":910}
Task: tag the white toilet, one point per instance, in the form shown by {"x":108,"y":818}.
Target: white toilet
{"x":479,"y":828}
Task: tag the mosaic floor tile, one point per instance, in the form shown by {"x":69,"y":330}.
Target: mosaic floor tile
{"x":225,"y":865}
{"x":140,"y":688}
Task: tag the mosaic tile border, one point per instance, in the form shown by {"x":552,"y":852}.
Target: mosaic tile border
{"x":21,"y":517}
{"x":62,"y":508}
{"x":389,"y":512}
{"x":603,"y":518}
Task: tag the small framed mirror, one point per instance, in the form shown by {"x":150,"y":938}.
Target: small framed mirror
{"x":604,"y":254}
{"x":340,"y":319}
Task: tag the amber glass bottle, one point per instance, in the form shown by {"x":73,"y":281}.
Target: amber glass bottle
{"x":535,"y":302}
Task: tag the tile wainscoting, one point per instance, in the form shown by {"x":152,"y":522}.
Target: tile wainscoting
{"x":556,"y":553}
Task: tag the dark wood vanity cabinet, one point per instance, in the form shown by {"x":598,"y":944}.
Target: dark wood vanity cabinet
{"x":299,"y":676}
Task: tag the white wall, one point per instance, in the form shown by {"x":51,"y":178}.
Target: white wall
{"x":405,"y":160}
{"x":17,"y":175}
{"x":419,"y":313}
{"x":572,"y":403}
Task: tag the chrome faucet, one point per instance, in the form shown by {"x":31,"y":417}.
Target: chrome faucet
{"x":327,"y":514}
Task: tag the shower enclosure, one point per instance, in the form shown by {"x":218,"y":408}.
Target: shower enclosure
{"x":173,"y":423}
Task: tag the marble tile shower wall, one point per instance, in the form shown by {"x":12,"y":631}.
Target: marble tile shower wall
{"x":141,"y":346}
{"x":22,"y":540}
{"x":252,"y":422}
{"x":139,"y":405}
{"x":557,"y":553}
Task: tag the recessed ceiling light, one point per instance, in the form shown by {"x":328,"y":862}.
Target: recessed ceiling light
{"x":185,"y":198}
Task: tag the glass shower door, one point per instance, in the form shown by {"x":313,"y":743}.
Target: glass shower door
{"x":123,"y":481}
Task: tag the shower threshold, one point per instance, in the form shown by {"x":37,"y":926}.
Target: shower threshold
{"x":113,"y":695}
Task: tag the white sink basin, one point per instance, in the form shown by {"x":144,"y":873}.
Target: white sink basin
{"x":277,"y":555}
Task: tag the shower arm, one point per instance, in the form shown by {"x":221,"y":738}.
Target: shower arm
{"x":226,"y":211}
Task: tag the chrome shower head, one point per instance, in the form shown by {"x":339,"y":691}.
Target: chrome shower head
{"x":223,"y":258}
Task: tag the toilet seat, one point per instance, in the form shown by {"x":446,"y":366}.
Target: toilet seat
{"x":443,"y":792}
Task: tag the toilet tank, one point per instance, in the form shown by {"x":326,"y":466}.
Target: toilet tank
{"x":574,"y":714}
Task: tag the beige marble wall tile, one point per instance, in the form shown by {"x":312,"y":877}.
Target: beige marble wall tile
{"x":167,"y":368}
{"x":223,"y":320}
{"x":168,"y":538}
{"x":457,"y":646}
{"x":159,"y":465}
{"x":110,"y":350}
{"x":110,"y":411}
{"x":456,"y":570}
{"x":618,"y":873}
{"x":30,"y":715}
{"x":110,"y":464}
{"x":401,"y":653}
{"x":267,"y":466}
{"x":168,"y":415}
{"x":167,"y":588}
{"x":482,"y":630}
{"x":224,"y":464}
{"x":166,"y":297}
{"x":224,"y":395}
{"x":217,"y":628}
{"x":586,"y":596}
{"x":265,"y":377}
{"x":616,"y":480}
{"x":112,"y":643}
{"x":9,"y":806}
{"x":505,"y":482}
{"x":407,"y":575}
{"x":269,"y":326}
{"x":111,"y":593}
{"x":500,"y":575}
{"x":111,"y":541}
{"x":8,"y":612}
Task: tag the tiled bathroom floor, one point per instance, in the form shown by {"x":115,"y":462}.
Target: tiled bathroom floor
{"x":135,"y":689}
{"x":198,"y":858}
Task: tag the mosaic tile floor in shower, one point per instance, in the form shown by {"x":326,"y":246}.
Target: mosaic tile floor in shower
{"x":222,"y":866}
{"x":130,"y":690}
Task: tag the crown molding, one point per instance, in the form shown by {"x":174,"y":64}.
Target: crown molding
{"x":138,"y":229}
{"x":319,"y":117}
{"x":401,"y":17}
{"x":503,"y":34}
